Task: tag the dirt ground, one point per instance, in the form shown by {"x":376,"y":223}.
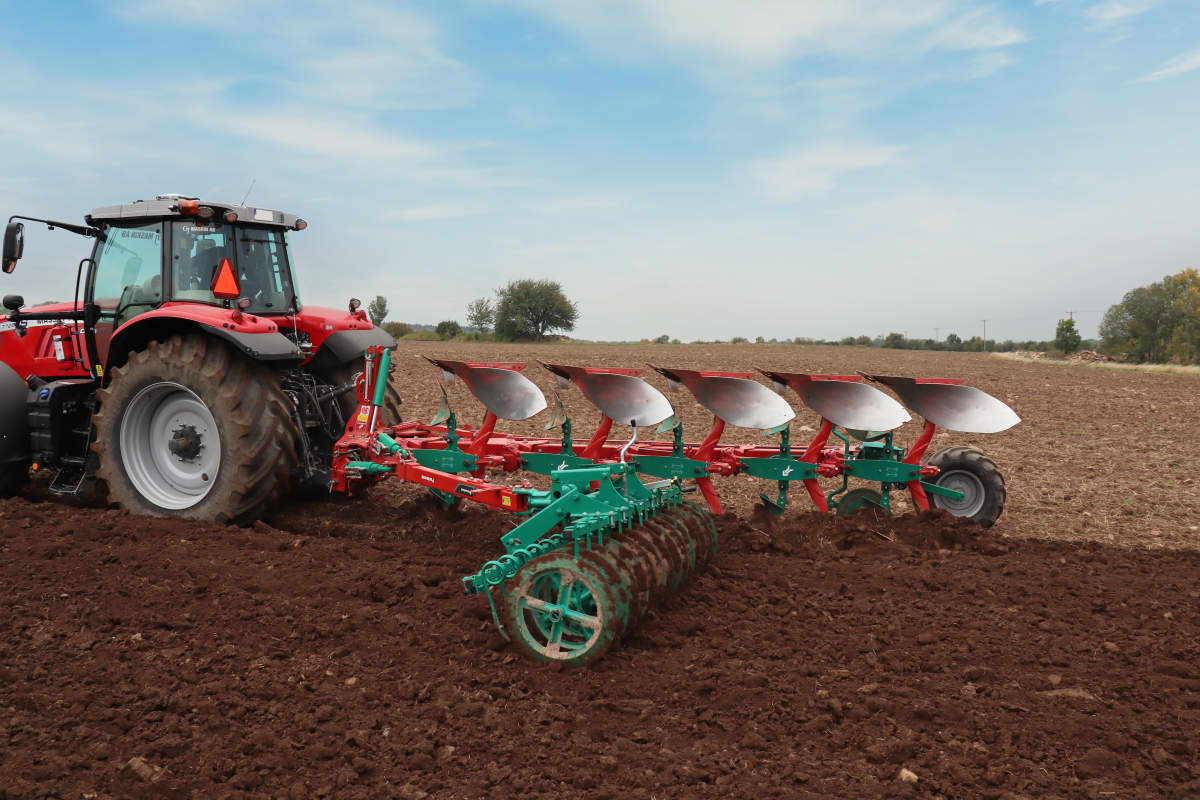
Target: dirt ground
{"x":331,"y":653}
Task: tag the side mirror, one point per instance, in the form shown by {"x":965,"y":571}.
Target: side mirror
{"x":13,"y":302}
{"x":14,"y":245}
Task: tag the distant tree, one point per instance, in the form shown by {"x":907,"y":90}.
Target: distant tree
{"x":529,"y":309}
{"x":862,"y":341}
{"x":664,"y":339}
{"x":481,"y":314}
{"x":893,"y":339}
{"x":377,"y":310}
{"x":397,"y":330}
{"x":447,"y":329}
{"x":1159,"y":322}
{"x":1066,"y":336}
{"x":739,"y":340}
{"x":759,"y":340}
{"x":954,"y":340}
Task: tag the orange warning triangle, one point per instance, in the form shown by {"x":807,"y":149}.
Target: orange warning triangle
{"x":225,"y":283}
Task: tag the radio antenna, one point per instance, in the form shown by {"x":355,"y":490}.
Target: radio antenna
{"x":252,"y":180}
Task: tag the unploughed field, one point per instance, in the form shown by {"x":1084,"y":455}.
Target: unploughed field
{"x":331,"y":653}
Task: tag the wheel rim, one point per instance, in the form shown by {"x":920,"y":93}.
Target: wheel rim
{"x":170,"y":446}
{"x":559,"y":613}
{"x":971,"y":487}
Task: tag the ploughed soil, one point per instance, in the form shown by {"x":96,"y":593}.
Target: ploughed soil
{"x":330,"y":651}
{"x":335,"y":656}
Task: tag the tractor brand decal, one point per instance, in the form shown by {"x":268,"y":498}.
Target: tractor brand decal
{"x":33,"y":323}
{"x":136,"y":234}
{"x":199,"y":229}
{"x":427,"y":478}
{"x":786,"y":472}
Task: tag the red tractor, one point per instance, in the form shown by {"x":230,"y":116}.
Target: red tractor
{"x":188,"y":379}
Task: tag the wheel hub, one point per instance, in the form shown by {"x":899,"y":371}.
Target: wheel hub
{"x":185,"y":443}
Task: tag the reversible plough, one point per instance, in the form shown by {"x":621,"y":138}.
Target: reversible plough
{"x":614,"y":532}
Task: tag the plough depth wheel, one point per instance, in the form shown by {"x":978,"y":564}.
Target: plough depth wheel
{"x":977,"y":477}
{"x":564,"y":610}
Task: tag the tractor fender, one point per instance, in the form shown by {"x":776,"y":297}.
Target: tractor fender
{"x":14,"y":423}
{"x":342,"y":347}
{"x":257,"y":337}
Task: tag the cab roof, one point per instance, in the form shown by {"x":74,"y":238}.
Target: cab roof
{"x":166,"y":206}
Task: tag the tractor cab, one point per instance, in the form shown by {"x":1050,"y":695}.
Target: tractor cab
{"x":175,"y":249}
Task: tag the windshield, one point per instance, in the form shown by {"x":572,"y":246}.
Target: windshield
{"x":258,"y":257}
{"x":127,"y":279}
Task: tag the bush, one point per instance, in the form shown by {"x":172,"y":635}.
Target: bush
{"x":397,"y":330}
{"x":739,"y":340}
{"x":664,"y":339}
{"x":448,"y":329}
{"x":422,"y":336}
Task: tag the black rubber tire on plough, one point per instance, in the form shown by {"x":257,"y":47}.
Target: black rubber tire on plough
{"x":252,"y":417}
{"x":965,"y":467}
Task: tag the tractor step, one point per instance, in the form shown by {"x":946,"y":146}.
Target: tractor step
{"x":69,"y":481}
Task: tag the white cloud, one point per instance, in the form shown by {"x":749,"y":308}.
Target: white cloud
{"x":989,"y":63}
{"x":815,"y":168}
{"x":353,"y":53}
{"x":339,"y":140}
{"x":428,"y":213}
{"x":765,"y":32}
{"x":1112,"y":12}
{"x":978,"y":29}
{"x":1187,"y":62}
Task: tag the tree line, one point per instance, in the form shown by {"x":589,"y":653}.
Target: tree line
{"x":524,"y":310}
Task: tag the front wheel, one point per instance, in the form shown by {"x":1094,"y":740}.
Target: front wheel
{"x":977,"y":477}
{"x":189,"y":428}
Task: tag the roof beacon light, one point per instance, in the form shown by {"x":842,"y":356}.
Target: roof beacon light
{"x":188,"y":206}
{"x":301,"y":225}
{"x":231,"y":217}
{"x":205,"y":212}
{"x":225,"y":285}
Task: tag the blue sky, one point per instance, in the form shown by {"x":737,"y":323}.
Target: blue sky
{"x":700,"y":168}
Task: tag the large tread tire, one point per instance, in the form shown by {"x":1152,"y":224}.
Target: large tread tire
{"x":984,"y":470}
{"x":253,"y":417}
{"x":349,"y":402}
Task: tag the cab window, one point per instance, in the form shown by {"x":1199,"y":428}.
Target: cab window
{"x":197,"y":250}
{"x":258,"y":257}
{"x":128,"y":273}
{"x":263,"y":270}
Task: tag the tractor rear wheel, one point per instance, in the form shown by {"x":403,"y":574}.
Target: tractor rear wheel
{"x":977,"y":477}
{"x":189,"y":428}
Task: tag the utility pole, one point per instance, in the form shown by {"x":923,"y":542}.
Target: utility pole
{"x":937,"y":334}
{"x":985,"y":336}
{"x":1070,"y":314}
